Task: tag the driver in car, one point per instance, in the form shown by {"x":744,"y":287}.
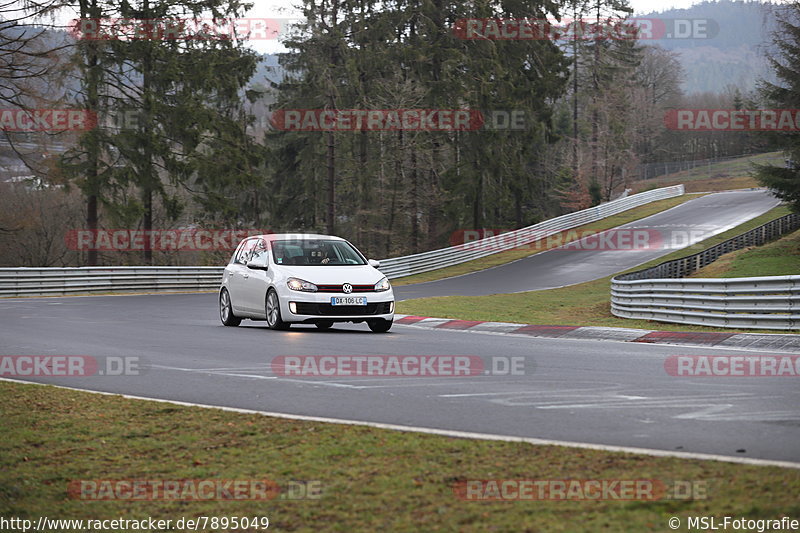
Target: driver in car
{"x":320,"y":255}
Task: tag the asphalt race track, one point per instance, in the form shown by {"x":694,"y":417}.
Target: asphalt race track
{"x":675,"y":228}
{"x":587,"y":391}
{"x":583,"y":391}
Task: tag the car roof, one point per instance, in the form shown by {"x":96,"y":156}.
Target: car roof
{"x":296,"y":237}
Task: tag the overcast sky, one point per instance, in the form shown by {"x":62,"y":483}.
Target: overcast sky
{"x":648,"y":6}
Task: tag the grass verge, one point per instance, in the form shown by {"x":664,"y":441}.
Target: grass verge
{"x":586,"y":304}
{"x":722,"y":176}
{"x":500,"y":258}
{"x":371,"y":479}
{"x":778,"y":258}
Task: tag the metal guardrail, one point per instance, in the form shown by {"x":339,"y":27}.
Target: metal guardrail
{"x":770,"y":302}
{"x":423,"y":262}
{"x":59,"y":281}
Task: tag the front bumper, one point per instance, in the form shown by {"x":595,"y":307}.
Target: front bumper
{"x":299,"y":306}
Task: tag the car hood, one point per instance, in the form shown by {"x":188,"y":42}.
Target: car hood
{"x":334,"y":275}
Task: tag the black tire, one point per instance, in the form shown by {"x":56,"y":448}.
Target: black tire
{"x":324,"y":324}
{"x":379,"y":325}
{"x":226,"y":311}
{"x":273,"y":311}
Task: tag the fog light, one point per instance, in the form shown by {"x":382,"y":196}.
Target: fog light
{"x":391,"y":307}
{"x":293,"y":307}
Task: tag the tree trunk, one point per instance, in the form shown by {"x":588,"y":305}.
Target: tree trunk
{"x":149,"y":178}
{"x":575,"y":95}
{"x":595,"y":91}
{"x":398,"y":178}
{"x":330,"y":225}
{"x":91,"y":223}
{"x":331,"y":218}
{"x":477,"y":206}
{"x":93,"y":149}
{"x":414,"y":202}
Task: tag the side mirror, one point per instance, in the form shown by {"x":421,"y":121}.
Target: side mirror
{"x":373,"y":263}
{"x":257,"y":265}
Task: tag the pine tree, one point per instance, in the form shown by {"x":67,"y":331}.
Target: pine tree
{"x":180,"y":100}
{"x":785,"y":181}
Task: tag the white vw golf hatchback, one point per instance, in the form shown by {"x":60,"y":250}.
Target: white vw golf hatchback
{"x":309,"y":279}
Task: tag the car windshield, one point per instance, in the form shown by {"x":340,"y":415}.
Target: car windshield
{"x":315,"y":252}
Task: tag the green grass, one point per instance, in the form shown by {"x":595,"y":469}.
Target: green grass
{"x":586,"y":304}
{"x":371,"y":479}
{"x":512,"y":255}
{"x":725,"y":175}
{"x":777,"y":258}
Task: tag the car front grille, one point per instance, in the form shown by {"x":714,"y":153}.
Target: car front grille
{"x":338,"y":288}
{"x":324,"y":309}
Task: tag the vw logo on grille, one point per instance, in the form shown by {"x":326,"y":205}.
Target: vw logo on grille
{"x":347,"y":288}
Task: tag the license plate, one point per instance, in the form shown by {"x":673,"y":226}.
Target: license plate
{"x":348,"y":300}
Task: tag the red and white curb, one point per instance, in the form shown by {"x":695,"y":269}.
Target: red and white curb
{"x":759,"y":341}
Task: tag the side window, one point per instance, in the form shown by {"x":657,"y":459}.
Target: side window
{"x":259,"y":252}
{"x":243,"y":255}
{"x":236,"y":252}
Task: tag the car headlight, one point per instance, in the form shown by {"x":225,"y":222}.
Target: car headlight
{"x":382,"y":285}
{"x":297,"y":284}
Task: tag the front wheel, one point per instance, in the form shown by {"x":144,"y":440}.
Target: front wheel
{"x":273,"y":310}
{"x":379,"y":325}
{"x":226,"y":311}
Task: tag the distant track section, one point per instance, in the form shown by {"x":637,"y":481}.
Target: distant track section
{"x":593,"y":257}
{"x":444,"y":257}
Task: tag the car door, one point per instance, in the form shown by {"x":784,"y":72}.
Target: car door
{"x":238,"y":276}
{"x":255,"y":284}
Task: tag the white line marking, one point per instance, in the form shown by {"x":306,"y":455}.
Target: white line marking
{"x":253,"y":376}
{"x":380,"y":383}
{"x":452,"y":433}
{"x":467,"y":395}
{"x":215,"y":372}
